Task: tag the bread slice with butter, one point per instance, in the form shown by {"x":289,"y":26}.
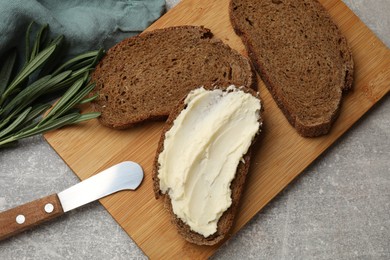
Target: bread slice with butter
{"x":203,"y":158}
{"x":300,"y":54}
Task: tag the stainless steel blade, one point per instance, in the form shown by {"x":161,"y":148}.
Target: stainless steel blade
{"x":123,"y":176}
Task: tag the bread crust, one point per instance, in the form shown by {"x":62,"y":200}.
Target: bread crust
{"x":237,"y":185}
{"x":283,"y":102}
{"x":142,"y":78}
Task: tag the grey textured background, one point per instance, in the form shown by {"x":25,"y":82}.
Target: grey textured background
{"x":339,"y":208}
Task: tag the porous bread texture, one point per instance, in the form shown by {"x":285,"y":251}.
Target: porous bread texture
{"x":301,"y":56}
{"x":237,"y":185}
{"x":142,"y":78}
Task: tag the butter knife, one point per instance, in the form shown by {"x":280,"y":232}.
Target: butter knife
{"x":123,"y":176}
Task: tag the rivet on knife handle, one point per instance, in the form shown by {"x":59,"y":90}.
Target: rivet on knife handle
{"x":16,"y":220}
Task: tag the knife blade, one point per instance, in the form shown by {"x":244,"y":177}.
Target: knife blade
{"x":123,"y":176}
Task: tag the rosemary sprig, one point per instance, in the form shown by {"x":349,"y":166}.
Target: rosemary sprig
{"x":21,"y":111}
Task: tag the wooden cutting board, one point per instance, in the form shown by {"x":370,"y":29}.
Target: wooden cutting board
{"x":280,"y":156}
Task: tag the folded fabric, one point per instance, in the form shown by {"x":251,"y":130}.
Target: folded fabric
{"x":86,"y":25}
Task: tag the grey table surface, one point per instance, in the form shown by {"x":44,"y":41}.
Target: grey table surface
{"x":338,"y":208}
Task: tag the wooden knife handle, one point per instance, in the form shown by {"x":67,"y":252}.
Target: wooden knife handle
{"x":31,"y":214}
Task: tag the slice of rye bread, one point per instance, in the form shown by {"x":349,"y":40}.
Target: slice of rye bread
{"x":301,"y":56}
{"x":143,"y":77}
{"x":237,"y":185}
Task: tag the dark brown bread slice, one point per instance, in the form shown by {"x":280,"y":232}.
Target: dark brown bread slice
{"x":301,"y":56}
{"x":143,"y":77}
{"x":237,"y":186}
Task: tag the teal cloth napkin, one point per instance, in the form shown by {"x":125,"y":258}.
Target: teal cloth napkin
{"x":86,"y":24}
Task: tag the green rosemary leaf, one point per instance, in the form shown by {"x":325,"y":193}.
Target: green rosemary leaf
{"x":5,"y":122}
{"x":38,"y":110}
{"x":7,"y":119}
{"x":6,"y":70}
{"x":34,"y":64}
{"x":65,"y":84}
{"x":99,"y":55}
{"x":40,"y":37}
{"x":87,"y":116}
{"x":60,"y":77}
{"x":54,"y":81}
{"x":59,"y":40}
{"x":82,"y":73}
{"x":75,"y":60}
{"x":87,"y":100}
{"x":16,"y":122}
{"x":55,"y":58}
{"x":27,"y":70}
{"x":27,"y":43}
{"x":74,"y":101}
{"x":87,"y":63}
{"x":63,"y":100}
